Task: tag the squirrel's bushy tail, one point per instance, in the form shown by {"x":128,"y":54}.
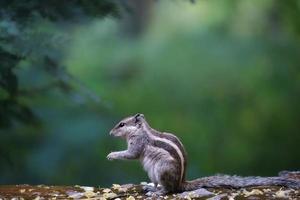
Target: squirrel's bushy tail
{"x":238,"y":182}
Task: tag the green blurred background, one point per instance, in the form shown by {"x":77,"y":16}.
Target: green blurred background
{"x":223,"y":75}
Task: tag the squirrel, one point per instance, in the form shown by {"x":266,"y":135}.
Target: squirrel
{"x":164,"y":158}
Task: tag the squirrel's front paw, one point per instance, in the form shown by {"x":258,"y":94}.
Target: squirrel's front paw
{"x":111,"y":156}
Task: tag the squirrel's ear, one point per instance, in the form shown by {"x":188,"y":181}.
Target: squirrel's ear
{"x":138,"y":117}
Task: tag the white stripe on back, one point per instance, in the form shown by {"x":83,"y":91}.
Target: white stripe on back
{"x":173,"y":145}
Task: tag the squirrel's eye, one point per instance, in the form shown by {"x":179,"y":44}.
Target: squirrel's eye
{"x":122,"y":124}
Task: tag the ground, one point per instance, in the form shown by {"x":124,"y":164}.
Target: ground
{"x":131,"y":192}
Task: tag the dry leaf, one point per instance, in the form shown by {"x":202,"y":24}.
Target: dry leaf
{"x":130,"y":198}
{"x":116,"y":186}
{"x":188,"y":198}
{"x":282,"y":193}
{"x":110,"y":195}
{"x":252,"y":192}
{"x":89,"y":194}
{"x":85,"y":188}
{"x":122,"y":189}
{"x":267,"y":190}
{"x":106,"y":190}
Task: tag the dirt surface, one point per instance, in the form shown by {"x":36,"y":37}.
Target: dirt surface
{"x":130,"y":192}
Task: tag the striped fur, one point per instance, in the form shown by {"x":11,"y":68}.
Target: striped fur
{"x":169,"y":143}
{"x":161,"y":154}
{"x":164,"y":159}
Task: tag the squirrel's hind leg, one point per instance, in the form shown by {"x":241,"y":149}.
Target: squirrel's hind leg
{"x":169,"y":182}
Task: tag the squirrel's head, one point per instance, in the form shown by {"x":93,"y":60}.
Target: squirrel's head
{"x":129,"y":125}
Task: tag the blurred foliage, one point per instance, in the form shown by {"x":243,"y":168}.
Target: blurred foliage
{"x":223,"y":75}
{"x":34,"y":82}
